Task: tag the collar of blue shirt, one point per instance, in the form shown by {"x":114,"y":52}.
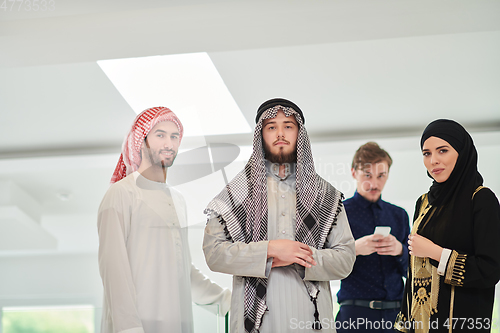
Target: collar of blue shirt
{"x":365,"y":203}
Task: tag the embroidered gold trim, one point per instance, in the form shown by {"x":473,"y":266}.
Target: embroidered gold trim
{"x":425,"y":293}
{"x":399,"y":324}
{"x":424,"y":209}
{"x":425,"y":279}
{"x":451,"y":263}
{"x":452,"y":300}
{"x":455,"y":270}
{"x":477,"y":190}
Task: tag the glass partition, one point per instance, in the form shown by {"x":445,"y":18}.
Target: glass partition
{"x":207,"y":319}
{"x":87,"y":319}
{"x":50,"y":319}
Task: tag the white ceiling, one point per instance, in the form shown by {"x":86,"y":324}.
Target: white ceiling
{"x":360,"y":70}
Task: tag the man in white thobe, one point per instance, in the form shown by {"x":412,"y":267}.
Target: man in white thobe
{"x":281,"y":231}
{"x":144,"y":260}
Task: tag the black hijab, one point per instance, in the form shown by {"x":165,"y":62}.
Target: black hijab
{"x":451,"y":198}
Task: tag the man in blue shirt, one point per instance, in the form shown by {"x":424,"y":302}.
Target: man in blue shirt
{"x":370,"y":297}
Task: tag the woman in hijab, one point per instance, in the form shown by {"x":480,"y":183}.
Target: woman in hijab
{"x":455,"y":240}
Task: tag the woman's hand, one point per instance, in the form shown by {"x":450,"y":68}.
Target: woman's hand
{"x":420,"y":246}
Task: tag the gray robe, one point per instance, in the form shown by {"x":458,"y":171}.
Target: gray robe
{"x":289,"y":304}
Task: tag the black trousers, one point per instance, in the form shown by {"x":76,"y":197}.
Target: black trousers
{"x":352,"y":318}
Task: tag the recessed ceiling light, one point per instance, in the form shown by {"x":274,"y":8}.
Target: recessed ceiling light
{"x":188,"y":84}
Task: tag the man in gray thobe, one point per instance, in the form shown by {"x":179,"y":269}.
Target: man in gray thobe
{"x":280,"y":230}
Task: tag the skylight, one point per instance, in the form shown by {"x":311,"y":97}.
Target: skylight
{"x":188,"y":84}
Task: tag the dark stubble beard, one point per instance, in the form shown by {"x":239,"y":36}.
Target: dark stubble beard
{"x":281,"y":157}
{"x":156,"y":159}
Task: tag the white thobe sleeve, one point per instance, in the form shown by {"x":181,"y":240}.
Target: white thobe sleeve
{"x":113,"y":227}
{"x":237,"y":258}
{"x":206,"y":292}
{"x":336,"y":261}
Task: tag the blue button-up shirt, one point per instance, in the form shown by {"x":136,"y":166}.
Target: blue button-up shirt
{"x":376,"y":277}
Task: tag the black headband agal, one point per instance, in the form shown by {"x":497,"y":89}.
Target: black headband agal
{"x":278,"y":101}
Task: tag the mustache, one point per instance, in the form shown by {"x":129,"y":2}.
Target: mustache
{"x":281,"y":140}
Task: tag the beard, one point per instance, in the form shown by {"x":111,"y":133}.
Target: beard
{"x":156,"y":158}
{"x":280,"y":157}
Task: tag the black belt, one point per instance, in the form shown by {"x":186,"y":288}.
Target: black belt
{"x":376,"y":305}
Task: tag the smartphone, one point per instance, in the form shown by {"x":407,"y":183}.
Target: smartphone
{"x":384,"y":231}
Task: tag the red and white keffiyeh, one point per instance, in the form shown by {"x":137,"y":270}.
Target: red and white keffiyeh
{"x":130,"y":159}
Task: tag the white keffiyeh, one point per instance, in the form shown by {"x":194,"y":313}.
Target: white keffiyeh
{"x":242,"y":208}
